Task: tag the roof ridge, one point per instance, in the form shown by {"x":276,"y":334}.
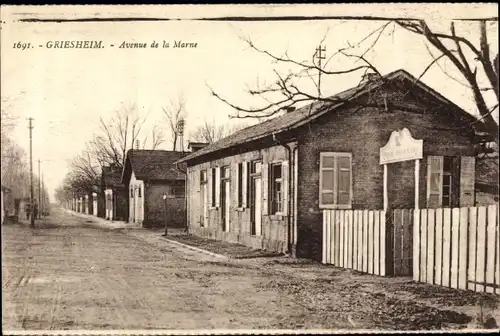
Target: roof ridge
{"x":296,"y":118}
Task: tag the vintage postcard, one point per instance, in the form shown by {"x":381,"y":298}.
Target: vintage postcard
{"x":270,"y":169}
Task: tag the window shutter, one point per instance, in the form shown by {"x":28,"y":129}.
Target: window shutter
{"x":467,"y":180}
{"x":344,"y":181}
{"x":265,"y":189}
{"x":244,"y":183}
{"x":327,"y":178}
{"x":285,"y":174}
{"x":209,"y":188}
{"x":217,"y":187}
{"x":234,"y":182}
{"x":434,"y":181}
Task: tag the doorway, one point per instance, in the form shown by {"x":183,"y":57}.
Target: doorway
{"x":256,"y":205}
{"x":225,"y":203}
{"x":225,"y":199}
{"x":203,"y":198}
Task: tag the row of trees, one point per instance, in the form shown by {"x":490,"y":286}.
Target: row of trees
{"x":15,"y":173}
{"x":125,"y":130}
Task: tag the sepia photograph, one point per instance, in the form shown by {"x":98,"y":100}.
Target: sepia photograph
{"x":250,"y":169}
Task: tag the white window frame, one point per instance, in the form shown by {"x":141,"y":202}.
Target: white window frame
{"x":335,"y":174}
{"x":271,"y":190}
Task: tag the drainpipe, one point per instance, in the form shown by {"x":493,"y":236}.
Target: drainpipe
{"x":185,"y":196}
{"x":290,"y":153}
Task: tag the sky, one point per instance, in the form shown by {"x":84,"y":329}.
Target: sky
{"x":66,"y":91}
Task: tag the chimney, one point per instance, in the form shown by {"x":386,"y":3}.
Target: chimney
{"x":369,"y":77}
{"x":195,"y":146}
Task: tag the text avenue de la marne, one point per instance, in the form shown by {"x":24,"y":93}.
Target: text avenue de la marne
{"x":86,"y":44}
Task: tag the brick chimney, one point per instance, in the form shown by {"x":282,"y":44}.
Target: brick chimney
{"x":369,"y":77}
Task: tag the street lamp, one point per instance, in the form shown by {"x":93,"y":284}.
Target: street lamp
{"x":166,"y":221}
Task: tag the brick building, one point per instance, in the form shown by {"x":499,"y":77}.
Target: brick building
{"x":266,"y":185}
{"x":115,"y":194}
{"x":148,"y":175}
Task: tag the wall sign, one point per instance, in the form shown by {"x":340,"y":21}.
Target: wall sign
{"x":401,"y":147}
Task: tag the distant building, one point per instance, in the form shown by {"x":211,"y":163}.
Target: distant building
{"x":266,"y":185}
{"x":148,"y":175}
{"x":115,"y":194}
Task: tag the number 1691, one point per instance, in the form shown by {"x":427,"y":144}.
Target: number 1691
{"x":22,"y":45}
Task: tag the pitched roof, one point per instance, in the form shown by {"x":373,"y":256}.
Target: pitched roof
{"x":153,"y":165}
{"x":309,"y":112}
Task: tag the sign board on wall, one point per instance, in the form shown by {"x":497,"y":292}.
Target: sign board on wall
{"x":401,"y":147}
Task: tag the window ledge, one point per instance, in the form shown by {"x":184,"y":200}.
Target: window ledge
{"x":276,"y":217}
{"x":240,"y":209}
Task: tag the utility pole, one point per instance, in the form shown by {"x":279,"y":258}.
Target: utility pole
{"x":319,"y":56}
{"x":39,"y":191}
{"x":31,"y":174}
{"x":42,"y":202}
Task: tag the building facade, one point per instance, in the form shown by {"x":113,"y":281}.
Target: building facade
{"x":115,"y":194}
{"x":149,"y":175}
{"x":267,"y":185}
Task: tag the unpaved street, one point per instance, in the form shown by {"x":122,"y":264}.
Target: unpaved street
{"x":70,"y":274}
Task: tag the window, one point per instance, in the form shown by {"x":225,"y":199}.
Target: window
{"x":256,"y":167}
{"x":335,"y":180}
{"x":276,"y":191}
{"x":450,"y":181}
{"x":225,"y":173}
{"x":139,"y":191}
{"x":214,"y":188}
{"x":131,"y":192}
{"x":239,"y":177}
{"x":447,"y":181}
{"x":203,"y":177}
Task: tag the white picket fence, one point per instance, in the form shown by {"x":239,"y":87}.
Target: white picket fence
{"x":458,"y":248}
{"x":355,"y":239}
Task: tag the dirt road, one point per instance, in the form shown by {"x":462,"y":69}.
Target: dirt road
{"x":69,"y":274}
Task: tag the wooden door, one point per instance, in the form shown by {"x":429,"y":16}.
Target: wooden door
{"x":256,"y":206}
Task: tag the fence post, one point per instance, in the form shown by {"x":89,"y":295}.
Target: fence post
{"x":389,"y":242}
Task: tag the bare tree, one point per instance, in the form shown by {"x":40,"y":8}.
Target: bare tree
{"x":286,"y":92}
{"x":174,"y":113}
{"x":118,"y":135}
{"x":211,"y":132}
{"x":109,"y":146}
{"x":468,"y":60}
{"x":157,"y":138}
